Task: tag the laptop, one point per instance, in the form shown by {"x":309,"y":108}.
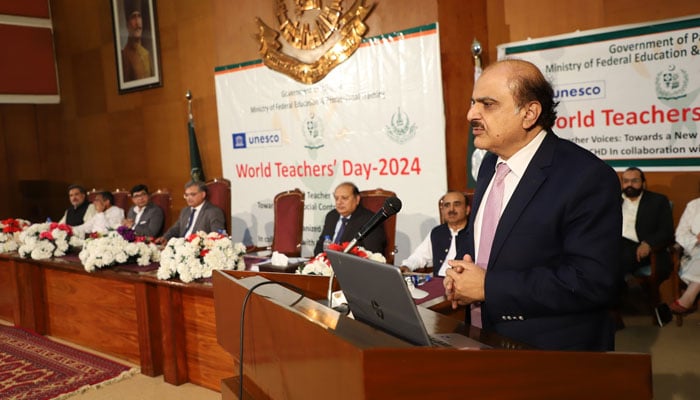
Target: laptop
{"x":378,"y":295}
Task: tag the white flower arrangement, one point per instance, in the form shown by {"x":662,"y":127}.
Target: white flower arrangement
{"x":197,"y":255}
{"x":113,"y":249}
{"x":10,"y":230}
{"x":46,"y":240}
{"x":320,"y":265}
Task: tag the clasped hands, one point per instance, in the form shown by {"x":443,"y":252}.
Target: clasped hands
{"x":643,"y":251}
{"x":464,"y":282}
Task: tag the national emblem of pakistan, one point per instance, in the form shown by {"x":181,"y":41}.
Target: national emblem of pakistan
{"x":314,"y":36}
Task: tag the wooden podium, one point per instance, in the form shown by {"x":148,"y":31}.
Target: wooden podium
{"x":296,"y":348}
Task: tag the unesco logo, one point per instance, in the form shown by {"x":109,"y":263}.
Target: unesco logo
{"x":239,"y":140}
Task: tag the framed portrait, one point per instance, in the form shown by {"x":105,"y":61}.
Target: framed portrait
{"x":136,"y":44}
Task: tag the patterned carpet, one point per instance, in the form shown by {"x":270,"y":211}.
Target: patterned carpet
{"x":33,"y":367}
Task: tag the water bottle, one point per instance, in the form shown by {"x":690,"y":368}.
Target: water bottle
{"x":326,"y":242}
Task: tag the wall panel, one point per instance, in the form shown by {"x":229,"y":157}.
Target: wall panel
{"x":100,"y":138}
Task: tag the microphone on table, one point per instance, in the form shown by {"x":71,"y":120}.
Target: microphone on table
{"x":391,"y":206}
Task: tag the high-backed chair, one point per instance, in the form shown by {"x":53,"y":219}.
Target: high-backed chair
{"x":92,"y":193}
{"x":163,"y":199}
{"x":288,"y":224}
{"x":121,"y":199}
{"x":373,"y":200}
{"x":219,"y":194}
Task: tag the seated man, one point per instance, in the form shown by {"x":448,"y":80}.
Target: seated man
{"x":199,"y":215}
{"x":445,"y":240}
{"x":348,"y":217}
{"x":145,"y":218}
{"x":688,"y":237}
{"x":80,"y":210}
{"x":647,"y":223}
{"x":107,"y":216}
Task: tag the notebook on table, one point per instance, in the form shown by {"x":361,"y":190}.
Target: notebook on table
{"x":377,"y":295}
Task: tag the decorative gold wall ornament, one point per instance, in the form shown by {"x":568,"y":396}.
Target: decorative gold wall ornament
{"x":316,"y":39}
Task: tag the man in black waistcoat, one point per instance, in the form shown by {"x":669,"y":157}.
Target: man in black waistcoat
{"x":445,"y":240}
{"x":80,"y":210}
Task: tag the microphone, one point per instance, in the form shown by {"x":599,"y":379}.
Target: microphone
{"x":391,"y":206}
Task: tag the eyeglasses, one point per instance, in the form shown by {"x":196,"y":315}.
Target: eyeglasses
{"x":139,"y":194}
{"x":191,"y":194}
{"x":633,"y":180}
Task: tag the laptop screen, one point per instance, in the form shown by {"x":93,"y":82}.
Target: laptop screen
{"x":378,"y":296}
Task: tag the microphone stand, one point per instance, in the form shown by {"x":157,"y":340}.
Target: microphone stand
{"x":347,"y":248}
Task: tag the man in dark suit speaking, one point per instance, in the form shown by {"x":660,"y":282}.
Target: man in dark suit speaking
{"x":200,"y":215}
{"x":541,"y":262}
{"x":348,"y":217}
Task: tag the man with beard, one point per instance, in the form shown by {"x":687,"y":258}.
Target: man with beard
{"x":81,"y":210}
{"x":445,"y":240}
{"x":136,"y":59}
{"x":647,"y":224}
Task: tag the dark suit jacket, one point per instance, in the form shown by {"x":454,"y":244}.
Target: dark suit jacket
{"x":210,"y":219}
{"x":440,"y":240}
{"x":553,"y":267}
{"x":375,"y":241}
{"x":654,"y":225}
{"x":151,"y":222}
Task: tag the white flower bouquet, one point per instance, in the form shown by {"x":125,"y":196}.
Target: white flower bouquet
{"x":197,"y":255}
{"x":46,"y":240}
{"x":320,"y":265}
{"x":10,"y":230}
{"x":112,"y":249}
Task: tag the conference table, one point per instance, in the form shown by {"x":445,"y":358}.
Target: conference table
{"x":169,"y":328}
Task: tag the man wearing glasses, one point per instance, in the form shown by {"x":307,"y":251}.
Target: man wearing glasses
{"x":199,"y":215}
{"x":444,"y":241}
{"x":145,"y":218}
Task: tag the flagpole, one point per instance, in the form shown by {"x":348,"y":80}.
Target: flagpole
{"x":188,"y":96}
{"x":196,"y":170}
{"x":476,"y":155}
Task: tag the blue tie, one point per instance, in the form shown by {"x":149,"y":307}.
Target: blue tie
{"x":341,"y":230}
{"x":189,"y":222}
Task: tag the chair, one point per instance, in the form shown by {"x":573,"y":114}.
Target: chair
{"x":121,"y":199}
{"x":163,"y":199}
{"x":219,"y":194}
{"x":92,"y":193}
{"x":650,"y":278}
{"x":288,"y":224}
{"x":373,"y":200}
{"x":677,"y":285}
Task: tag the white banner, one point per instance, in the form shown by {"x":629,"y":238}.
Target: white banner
{"x":628,"y":93}
{"x":376,"y":120}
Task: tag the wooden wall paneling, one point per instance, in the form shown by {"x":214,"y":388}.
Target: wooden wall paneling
{"x":207,"y":362}
{"x":30,"y":312}
{"x":172,"y":327}
{"x":8,"y":291}
{"x":78,"y":303}
{"x":459,"y":26}
{"x":149,"y":328}
{"x":195,"y":38}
